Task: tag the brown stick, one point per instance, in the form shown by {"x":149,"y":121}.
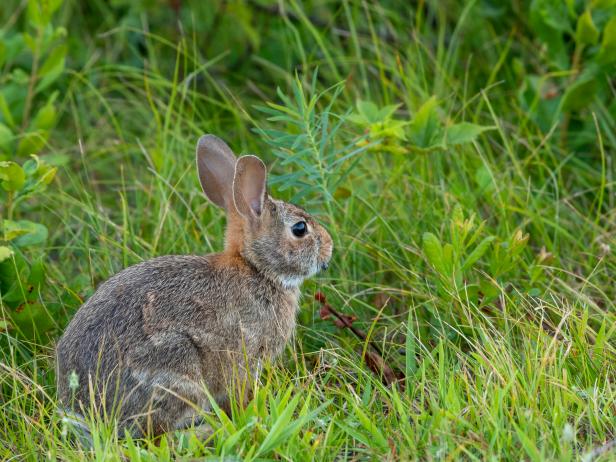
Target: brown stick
{"x":374,"y":355}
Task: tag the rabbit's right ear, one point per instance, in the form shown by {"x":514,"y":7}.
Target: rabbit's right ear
{"x":216,"y":167}
{"x":250,"y":186}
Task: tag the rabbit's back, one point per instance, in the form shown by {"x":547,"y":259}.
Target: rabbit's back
{"x":177,"y":317}
{"x":120,"y":315}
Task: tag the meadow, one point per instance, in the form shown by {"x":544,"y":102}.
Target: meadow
{"x":461,"y":154}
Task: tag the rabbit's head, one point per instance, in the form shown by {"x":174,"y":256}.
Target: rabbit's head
{"x":280,"y":240}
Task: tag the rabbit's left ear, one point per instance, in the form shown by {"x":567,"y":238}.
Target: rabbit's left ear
{"x":250,"y":186}
{"x":216,"y":167}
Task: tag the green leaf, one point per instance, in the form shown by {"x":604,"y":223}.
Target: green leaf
{"x":47,"y":176}
{"x":4,"y":110}
{"x":32,"y":142}
{"x":448,"y":262}
{"x":465,"y":132}
{"x":31,"y":319}
{"x":607,"y":53}
{"x":45,"y":118}
{"x":31,"y":166}
{"x":12,"y":230}
{"x":29,"y":42}
{"x":52,"y":67}
{"x":602,"y":3}
{"x":550,"y":20}
{"x":12,"y":176}
{"x":586,"y":33}
{"x":553,"y":13}
{"x":379,"y":121}
{"x":39,"y":12}
{"x":424,"y":130}
{"x":483,"y":177}
{"x":243,"y":18}
{"x":358,"y":119}
{"x":369,"y":111}
{"x":477,"y":253}
{"x":6,"y":139}
{"x":342,"y":193}
{"x":410,"y":350}
{"x":387,"y":111}
{"x":60,"y":32}
{"x":24,"y":233}
{"x":391,"y":129}
{"x":5,"y":253}
{"x":2,"y":53}
{"x":53,"y":5}
{"x":534,"y":292}
{"x":579,"y":94}
{"x":518,"y":242}
{"x":278,"y":430}
{"x":37,"y":271}
{"x":35,"y":15}
{"x":375,"y":434}
{"x":543,"y":112}
{"x":14,"y":275}
{"x":457,"y":215}
{"x":434,"y":252}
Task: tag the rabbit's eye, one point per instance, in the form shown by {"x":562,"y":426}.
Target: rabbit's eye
{"x":299,"y":229}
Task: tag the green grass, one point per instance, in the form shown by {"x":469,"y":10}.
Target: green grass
{"x":511,"y":357}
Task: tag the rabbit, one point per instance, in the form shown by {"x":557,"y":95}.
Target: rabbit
{"x":156,"y":336}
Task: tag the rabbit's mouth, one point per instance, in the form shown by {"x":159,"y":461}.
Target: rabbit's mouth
{"x":319,"y":267}
{"x":295,"y":280}
{"x":323,"y":261}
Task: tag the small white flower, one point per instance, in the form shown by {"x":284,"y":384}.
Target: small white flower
{"x":568,"y":433}
{"x":73,"y":381}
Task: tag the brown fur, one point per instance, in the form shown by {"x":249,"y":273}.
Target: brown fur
{"x":156,"y":335}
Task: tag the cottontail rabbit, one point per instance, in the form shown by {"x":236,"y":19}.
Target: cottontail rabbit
{"x":153,"y":336}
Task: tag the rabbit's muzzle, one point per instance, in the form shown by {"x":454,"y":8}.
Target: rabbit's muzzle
{"x":326,"y":248}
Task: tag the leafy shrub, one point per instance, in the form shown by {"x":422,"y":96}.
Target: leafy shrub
{"x":20,"y":276}
{"x":318,"y":164}
{"x":456,"y":260}
{"x":424,"y":132}
{"x":580,"y":49}
{"x":32,"y":61}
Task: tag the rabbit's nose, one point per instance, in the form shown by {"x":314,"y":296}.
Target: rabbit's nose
{"x":324,"y":266}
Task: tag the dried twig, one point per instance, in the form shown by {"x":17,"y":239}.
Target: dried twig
{"x":374,"y":355}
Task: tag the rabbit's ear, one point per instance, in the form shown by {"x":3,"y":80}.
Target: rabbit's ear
{"x":249,"y":186}
{"x":216,"y":167}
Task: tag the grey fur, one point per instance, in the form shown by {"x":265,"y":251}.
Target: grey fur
{"x":155,"y":336}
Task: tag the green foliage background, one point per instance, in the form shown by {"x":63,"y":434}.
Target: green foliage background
{"x":461,"y":154}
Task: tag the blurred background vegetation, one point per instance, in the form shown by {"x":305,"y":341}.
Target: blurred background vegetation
{"x":461,"y":153}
